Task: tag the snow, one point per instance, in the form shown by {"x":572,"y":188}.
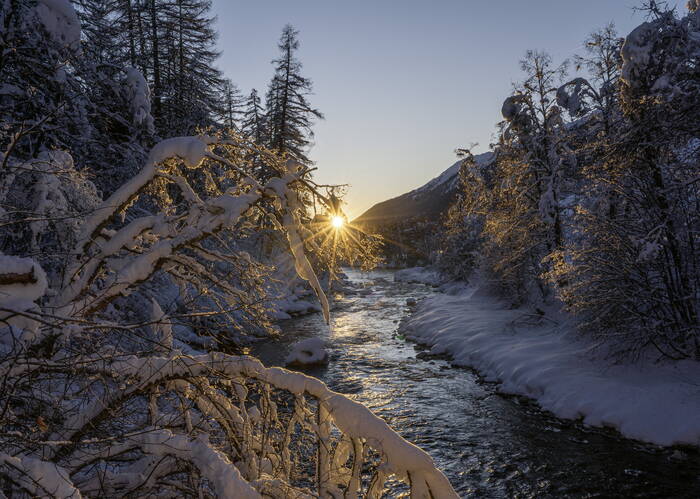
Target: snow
{"x":213,"y":464}
{"x":511,"y":107}
{"x":291,"y":306}
{"x":60,"y":20}
{"x":421,"y":275}
{"x":572,"y":102}
{"x":448,"y":175}
{"x":451,"y":175}
{"x":636,"y":52}
{"x":308,"y":352}
{"x":27,"y":291}
{"x":162,"y":328}
{"x":40,"y":478}
{"x":656,"y":403}
{"x":19,"y":297}
{"x":139,"y":97}
{"x":352,"y":418}
{"x":192,"y":150}
{"x":301,"y":262}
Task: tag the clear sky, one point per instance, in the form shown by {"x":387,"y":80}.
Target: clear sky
{"x":404,"y":82}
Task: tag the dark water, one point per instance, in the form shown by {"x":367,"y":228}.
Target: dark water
{"x":488,"y":445}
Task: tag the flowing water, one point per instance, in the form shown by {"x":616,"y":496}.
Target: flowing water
{"x":488,"y":444}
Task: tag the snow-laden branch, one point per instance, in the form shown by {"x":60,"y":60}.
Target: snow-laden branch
{"x":354,"y":420}
{"x":203,"y":218}
{"x":117,"y":409}
{"x":39,"y":478}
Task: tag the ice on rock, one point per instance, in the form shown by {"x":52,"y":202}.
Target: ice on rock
{"x":309,"y":352}
{"x":420,"y":275}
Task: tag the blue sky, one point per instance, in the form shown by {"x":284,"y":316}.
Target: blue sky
{"x":404,"y":82}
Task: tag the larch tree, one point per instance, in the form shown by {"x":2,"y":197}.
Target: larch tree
{"x":231,"y":105}
{"x":172,"y":43}
{"x":253,"y":123}
{"x":290,"y":116}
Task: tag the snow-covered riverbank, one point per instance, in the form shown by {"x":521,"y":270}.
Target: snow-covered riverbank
{"x":548,"y":362}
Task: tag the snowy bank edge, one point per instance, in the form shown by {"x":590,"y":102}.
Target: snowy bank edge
{"x":651,"y":403}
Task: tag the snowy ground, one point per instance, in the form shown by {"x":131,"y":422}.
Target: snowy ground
{"x":420,"y":275}
{"x":546,"y":361}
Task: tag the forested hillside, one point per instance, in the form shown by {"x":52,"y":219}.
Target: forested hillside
{"x":412,"y":224}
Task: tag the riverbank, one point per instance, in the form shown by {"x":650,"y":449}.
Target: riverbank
{"x":547,"y":361}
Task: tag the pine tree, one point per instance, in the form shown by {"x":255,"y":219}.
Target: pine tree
{"x":289,"y":114}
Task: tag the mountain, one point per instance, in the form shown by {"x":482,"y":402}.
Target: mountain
{"x":430,"y":200}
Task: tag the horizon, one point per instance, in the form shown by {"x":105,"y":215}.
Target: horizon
{"x":391,"y":125}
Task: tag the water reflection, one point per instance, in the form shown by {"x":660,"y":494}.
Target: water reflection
{"x":489,"y":445}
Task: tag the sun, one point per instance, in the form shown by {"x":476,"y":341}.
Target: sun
{"x":337,"y":222}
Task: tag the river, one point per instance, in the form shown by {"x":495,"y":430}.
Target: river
{"x":487,"y":443}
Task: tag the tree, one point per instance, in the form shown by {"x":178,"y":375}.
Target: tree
{"x":59,"y":92}
{"x":634,"y":272}
{"x":97,"y":391}
{"x":290,"y":117}
{"x":231,"y":105}
{"x":172,"y":42}
{"x":520,"y":200}
{"x":253,"y":124}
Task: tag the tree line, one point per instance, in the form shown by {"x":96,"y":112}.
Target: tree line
{"x":592,"y":197}
{"x":130,"y":263}
{"x":140,"y":71}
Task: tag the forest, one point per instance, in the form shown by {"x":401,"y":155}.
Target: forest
{"x":158,"y":224}
{"x":592,"y":196}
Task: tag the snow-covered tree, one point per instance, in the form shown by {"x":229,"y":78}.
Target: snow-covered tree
{"x":635,"y":275}
{"x":518,"y":195}
{"x":104,"y":393}
{"x":172,"y":43}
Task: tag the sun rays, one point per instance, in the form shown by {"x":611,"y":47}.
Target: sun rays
{"x":337,"y":222}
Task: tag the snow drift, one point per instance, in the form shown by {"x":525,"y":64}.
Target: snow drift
{"x":656,"y":403}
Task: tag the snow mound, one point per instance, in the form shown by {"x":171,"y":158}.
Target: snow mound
{"x":21,"y":279}
{"x":419,"y":275}
{"x":60,"y":20}
{"x":656,"y":403}
{"x":139,"y":95}
{"x":309,"y":352}
{"x":22,"y":282}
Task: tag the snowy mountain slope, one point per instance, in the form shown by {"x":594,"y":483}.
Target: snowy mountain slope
{"x":431,"y":199}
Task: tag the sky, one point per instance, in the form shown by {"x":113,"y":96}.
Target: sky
{"x":403,"y":83}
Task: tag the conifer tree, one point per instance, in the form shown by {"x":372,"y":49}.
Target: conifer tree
{"x":253,"y":124}
{"x":231,"y":105}
{"x":172,"y":43}
{"x":289,"y":114}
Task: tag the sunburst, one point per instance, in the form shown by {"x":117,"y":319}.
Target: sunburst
{"x":337,"y":222}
